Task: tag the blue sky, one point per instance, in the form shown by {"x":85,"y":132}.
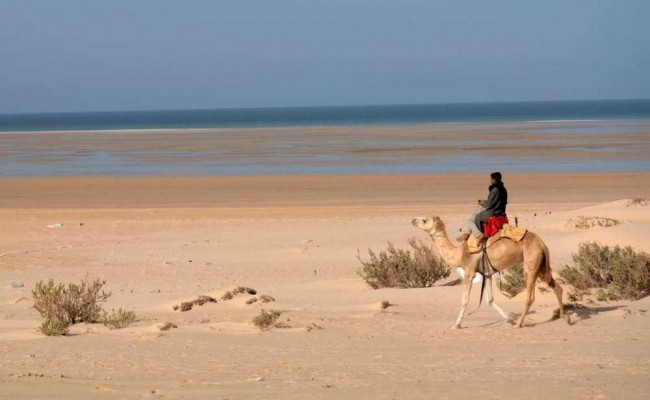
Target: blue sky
{"x":144,"y":55}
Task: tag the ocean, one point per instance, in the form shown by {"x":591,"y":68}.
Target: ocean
{"x":539,"y":137}
{"x":330,"y":116}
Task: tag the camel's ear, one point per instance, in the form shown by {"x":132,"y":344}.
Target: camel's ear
{"x":435,"y":218}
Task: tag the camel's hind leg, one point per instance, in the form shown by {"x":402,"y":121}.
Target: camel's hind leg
{"x":546,"y":276}
{"x":531,"y":278}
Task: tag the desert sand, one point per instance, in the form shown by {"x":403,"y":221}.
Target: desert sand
{"x":160,"y":241}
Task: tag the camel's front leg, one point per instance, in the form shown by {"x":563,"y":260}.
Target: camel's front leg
{"x":469,"y":277}
{"x":491,"y":302}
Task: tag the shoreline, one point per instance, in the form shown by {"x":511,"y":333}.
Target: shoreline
{"x":417,"y":124}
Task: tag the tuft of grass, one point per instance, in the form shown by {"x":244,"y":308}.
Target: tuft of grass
{"x":614,"y":272}
{"x":403,"y":268}
{"x":581,"y":222}
{"x":385,"y":304}
{"x":513,"y":281}
{"x":265,"y":298}
{"x":267,"y":319}
{"x":199,"y":301}
{"x":63,"y":306}
{"x":637,"y":201}
{"x":118,"y":319}
{"x":243,"y":289}
{"x":227,"y":296}
{"x":167,"y":326}
{"x":251,"y":300}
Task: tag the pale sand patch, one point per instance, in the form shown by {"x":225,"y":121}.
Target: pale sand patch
{"x":304,"y":255}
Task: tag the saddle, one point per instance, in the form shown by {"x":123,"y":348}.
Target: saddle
{"x":505,"y":232}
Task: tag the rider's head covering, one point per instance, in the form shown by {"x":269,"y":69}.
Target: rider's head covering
{"x":496,"y":176}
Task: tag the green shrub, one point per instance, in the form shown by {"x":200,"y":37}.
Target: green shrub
{"x":62,"y":306}
{"x":513,"y":281}
{"x":615,"y":272}
{"x":118,"y":319}
{"x":403,"y":269}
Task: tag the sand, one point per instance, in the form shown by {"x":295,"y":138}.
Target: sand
{"x":160,"y":241}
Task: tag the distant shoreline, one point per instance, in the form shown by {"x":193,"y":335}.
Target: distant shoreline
{"x":524,"y":147}
{"x":380,"y":115}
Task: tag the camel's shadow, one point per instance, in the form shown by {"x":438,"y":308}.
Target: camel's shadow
{"x":577,"y":313}
{"x":583,"y":312}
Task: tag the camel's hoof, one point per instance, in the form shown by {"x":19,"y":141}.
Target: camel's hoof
{"x":567,"y":319}
{"x":456,"y":327}
{"x":516,"y":326}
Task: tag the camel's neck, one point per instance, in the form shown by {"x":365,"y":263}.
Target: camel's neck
{"x":450,"y":253}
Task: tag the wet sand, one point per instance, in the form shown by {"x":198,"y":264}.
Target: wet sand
{"x":566,"y":147}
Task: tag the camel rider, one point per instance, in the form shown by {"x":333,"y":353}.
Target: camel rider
{"x":495,"y":205}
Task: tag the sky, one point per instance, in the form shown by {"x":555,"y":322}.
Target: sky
{"x":108,"y":55}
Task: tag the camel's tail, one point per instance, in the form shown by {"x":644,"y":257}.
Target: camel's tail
{"x":545,"y":273}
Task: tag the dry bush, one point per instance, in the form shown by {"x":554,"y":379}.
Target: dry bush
{"x":265,"y":298}
{"x":403,"y":269}
{"x":581,"y":222}
{"x":266,"y":320}
{"x":167,"y":326}
{"x":227,"y":296}
{"x":615,"y":272}
{"x":54,"y":327}
{"x":62,"y":305}
{"x":118,"y":319}
{"x":201,"y":300}
{"x":637,"y":201}
{"x":385,"y":304}
{"x":513,"y":281}
{"x":251,"y":300}
{"x":243,"y":289}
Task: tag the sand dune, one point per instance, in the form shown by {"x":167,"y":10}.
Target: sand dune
{"x":339,"y":343}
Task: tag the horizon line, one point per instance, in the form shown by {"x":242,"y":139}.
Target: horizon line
{"x":321,"y":106}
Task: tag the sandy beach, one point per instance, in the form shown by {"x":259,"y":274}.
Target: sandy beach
{"x":160,"y":241}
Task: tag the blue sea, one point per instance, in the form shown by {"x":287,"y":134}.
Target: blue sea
{"x":328,"y":116}
{"x":571,"y":136}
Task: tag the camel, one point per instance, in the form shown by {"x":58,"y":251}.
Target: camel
{"x":503,"y":254}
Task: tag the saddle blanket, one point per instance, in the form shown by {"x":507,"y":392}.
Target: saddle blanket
{"x":506,"y":232}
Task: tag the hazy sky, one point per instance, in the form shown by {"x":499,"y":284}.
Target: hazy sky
{"x":87,"y":55}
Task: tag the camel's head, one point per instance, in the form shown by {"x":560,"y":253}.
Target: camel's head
{"x":428,"y":224}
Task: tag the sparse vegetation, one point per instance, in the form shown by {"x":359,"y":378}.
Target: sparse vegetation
{"x":385,"y":304}
{"x":581,"y":222}
{"x":267,"y":319}
{"x":513,"y":281}
{"x":251,"y":300}
{"x":265,"y":298}
{"x":243,"y":289}
{"x":613,"y":272}
{"x":201,"y":300}
{"x":167,"y":326}
{"x":118,"y":319}
{"x":63,"y":306}
{"x":403,"y":268}
{"x":637,"y":201}
{"x":227,"y":296}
